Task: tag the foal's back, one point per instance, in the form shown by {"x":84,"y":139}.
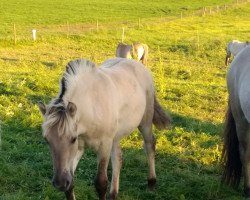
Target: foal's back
{"x":124,"y":67}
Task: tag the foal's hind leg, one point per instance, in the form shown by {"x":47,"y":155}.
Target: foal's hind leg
{"x":116,"y":159}
{"x":149,"y":146}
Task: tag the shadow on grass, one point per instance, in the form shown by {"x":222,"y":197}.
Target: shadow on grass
{"x":26,"y":168}
{"x":9,"y":59}
{"x":195,"y":125}
{"x":50,"y":65}
{"x":176,"y":179}
{"x":39,"y":98}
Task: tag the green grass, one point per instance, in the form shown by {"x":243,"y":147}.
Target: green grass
{"x":59,"y":11}
{"x":187,"y":62}
{"x":54,"y":15}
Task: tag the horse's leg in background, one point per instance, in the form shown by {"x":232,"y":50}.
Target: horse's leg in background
{"x":116,"y":159}
{"x":101,"y":180}
{"x":144,"y":58}
{"x":227,"y":58}
{"x":70,"y":194}
{"x":149,"y":146}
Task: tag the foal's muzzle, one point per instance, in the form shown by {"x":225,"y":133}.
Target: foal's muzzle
{"x":63,"y":182}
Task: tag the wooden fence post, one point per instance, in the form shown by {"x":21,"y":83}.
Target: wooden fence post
{"x":97,"y":25}
{"x":198,"y":41}
{"x":67,"y":29}
{"x":34,"y":34}
{"x":14,"y":32}
{"x":123,"y":30}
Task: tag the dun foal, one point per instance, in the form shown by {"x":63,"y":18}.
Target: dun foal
{"x":137,"y":51}
{"x":96,"y":108}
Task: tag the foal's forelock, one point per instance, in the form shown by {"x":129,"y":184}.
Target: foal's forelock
{"x":59,"y":119}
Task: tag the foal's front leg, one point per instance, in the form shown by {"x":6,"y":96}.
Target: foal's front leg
{"x":70,"y":194}
{"x":101,"y":180}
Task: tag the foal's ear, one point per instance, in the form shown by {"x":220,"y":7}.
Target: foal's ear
{"x":71,"y":108}
{"x":42,"y":107}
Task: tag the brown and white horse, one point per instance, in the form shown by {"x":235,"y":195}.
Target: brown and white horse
{"x":234,"y":47}
{"x":96,"y":108}
{"x":137,"y":51}
{"x":236,"y":151}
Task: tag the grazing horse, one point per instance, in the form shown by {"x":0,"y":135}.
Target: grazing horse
{"x":236,"y":151}
{"x":97,"y":107}
{"x":137,"y":51}
{"x":234,"y":47}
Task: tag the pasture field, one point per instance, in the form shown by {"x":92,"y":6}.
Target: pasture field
{"x":187,"y":62}
{"x":55,"y":15}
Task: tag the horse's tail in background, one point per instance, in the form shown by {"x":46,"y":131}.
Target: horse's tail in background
{"x":232,"y":166}
{"x":145,"y":55}
{"x":160,"y":119}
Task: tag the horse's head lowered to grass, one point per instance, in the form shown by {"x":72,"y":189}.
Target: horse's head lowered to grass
{"x":60,"y":132}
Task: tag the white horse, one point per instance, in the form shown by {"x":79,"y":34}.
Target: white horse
{"x":137,"y":51}
{"x":96,"y":108}
{"x":236,"y":151}
{"x":234,"y":47}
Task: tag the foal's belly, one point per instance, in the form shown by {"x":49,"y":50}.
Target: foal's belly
{"x":130,"y":118}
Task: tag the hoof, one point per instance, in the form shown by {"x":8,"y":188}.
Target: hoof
{"x":113,"y":195}
{"x":152,"y":184}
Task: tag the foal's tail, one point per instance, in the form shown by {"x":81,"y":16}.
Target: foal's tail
{"x":145,"y":55}
{"x":232,"y":166}
{"x":160,"y":119}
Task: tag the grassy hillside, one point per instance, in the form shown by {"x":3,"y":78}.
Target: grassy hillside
{"x":76,"y":11}
{"x":187,"y":62}
{"x":40,"y":14}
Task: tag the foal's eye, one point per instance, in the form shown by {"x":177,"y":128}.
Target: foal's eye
{"x":73,"y":140}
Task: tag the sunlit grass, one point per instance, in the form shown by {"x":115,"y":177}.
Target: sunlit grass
{"x":187,"y":63}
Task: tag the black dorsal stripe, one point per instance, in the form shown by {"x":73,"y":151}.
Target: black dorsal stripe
{"x":62,"y":92}
{"x":69,"y":68}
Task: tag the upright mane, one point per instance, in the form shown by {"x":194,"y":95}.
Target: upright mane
{"x":57,"y":110}
{"x":73,"y":70}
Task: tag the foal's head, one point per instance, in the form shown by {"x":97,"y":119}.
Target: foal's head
{"x":60,"y":132}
